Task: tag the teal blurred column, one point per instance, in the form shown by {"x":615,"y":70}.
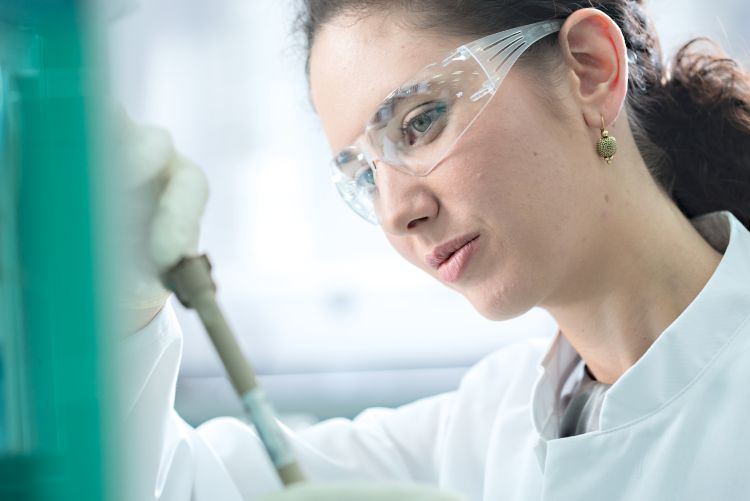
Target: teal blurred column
{"x":55,"y":375}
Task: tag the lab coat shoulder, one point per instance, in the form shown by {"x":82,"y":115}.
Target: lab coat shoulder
{"x":378,"y":444}
{"x":492,"y":402}
{"x":429,"y":440}
{"x":223,"y":458}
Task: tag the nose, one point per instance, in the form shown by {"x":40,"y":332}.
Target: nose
{"x":404,"y":202}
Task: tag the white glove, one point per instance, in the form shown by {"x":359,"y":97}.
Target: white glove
{"x":164,"y":200}
{"x":362,"y":491}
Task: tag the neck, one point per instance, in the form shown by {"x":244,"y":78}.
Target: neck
{"x":634,"y":286}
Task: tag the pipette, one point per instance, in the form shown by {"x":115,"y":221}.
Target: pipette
{"x":191,"y":281}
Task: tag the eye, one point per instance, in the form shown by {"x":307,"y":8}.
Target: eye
{"x":424,"y":124}
{"x":365,"y":178}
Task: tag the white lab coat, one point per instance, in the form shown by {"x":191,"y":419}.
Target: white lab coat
{"x":673,"y":427}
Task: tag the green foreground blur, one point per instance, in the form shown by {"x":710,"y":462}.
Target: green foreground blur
{"x":55,"y":375}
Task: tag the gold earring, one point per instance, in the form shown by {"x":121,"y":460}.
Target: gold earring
{"x":607,"y":145}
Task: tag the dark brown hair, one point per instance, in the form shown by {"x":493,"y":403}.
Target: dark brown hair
{"x":690,"y":119}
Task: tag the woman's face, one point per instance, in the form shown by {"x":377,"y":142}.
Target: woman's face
{"x":517,"y":179}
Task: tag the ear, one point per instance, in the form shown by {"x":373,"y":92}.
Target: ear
{"x":594,"y":49}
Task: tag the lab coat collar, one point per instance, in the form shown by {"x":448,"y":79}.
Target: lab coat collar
{"x":678,"y":355}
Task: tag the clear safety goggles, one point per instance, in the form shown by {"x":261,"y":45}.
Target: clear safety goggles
{"x":416,"y":126}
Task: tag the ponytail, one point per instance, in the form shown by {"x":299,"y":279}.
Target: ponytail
{"x":692,"y":127}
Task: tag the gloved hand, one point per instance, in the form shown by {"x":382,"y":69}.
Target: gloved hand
{"x":165,"y":195}
{"x":362,"y":491}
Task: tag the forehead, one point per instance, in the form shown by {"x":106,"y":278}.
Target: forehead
{"x":356,"y":62}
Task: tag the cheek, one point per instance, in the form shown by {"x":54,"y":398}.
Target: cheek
{"x":521,"y":192}
{"x":498,"y":180}
{"x":522,"y":172}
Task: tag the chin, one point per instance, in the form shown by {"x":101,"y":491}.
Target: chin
{"x":499,"y":307}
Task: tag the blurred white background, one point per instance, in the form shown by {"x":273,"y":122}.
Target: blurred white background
{"x":331,"y":317}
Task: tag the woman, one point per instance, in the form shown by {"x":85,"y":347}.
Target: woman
{"x":493,"y":169}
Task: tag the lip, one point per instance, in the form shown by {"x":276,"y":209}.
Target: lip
{"x":450,"y":258}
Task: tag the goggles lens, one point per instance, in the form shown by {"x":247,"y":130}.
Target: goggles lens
{"x":355,"y":181}
{"x":418,"y":123}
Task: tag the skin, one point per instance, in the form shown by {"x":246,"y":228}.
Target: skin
{"x":599,"y":246}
